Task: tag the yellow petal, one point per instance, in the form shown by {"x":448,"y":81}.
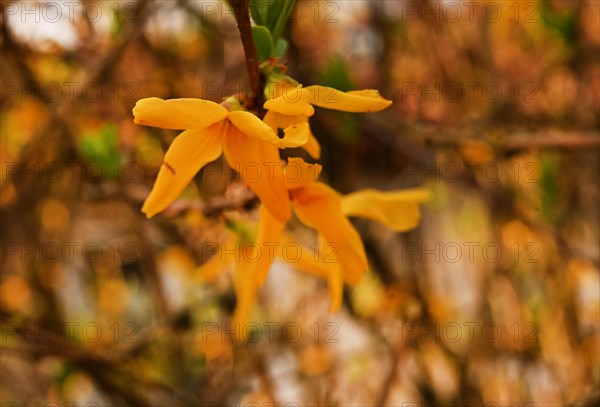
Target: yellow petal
{"x":252,"y":126}
{"x":281,"y":121}
{"x":295,"y":135}
{"x":269,"y":235}
{"x":335,"y":287}
{"x":259,"y":166}
{"x":293,"y":102}
{"x":313,"y":147}
{"x":246,"y":290}
{"x":319,"y":206}
{"x":210,"y":270}
{"x":298,"y":173}
{"x":302,"y":257}
{"x":296,"y":129}
{"x":398,"y":210}
{"x":178,"y":114}
{"x":188,"y":153}
{"x":368,"y":100}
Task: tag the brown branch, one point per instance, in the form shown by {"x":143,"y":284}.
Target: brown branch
{"x":516,"y":141}
{"x":242,"y":16}
{"x":554,"y":140}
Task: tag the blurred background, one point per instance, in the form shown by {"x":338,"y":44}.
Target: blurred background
{"x":493,"y":300}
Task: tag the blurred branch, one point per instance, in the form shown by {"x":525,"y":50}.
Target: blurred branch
{"x":555,"y":140}
{"x":110,"y":61}
{"x":512,"y":142}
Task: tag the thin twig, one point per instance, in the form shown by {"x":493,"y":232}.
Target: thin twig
{"x":242,"y":16}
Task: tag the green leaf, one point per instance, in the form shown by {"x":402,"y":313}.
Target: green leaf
{"x":272,"y":14}
{"x":256,"y":11}
{"x":265,"y":12}
{"x":284,"y":11}
{"x":280,"y":48}
{"x":263,"y":42}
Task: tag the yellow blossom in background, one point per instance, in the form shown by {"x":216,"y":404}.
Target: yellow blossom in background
{"x":245,"y":282}
{"x":210,"y":130}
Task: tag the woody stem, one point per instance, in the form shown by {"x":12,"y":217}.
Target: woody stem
{"x":242,"y":16}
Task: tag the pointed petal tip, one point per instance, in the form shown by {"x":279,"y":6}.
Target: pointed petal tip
{"x":146,"y":211}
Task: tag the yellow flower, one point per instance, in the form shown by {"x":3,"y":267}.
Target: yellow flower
{"x":210,"y":130}
{"x":398,"y":210}
{"x":323,"y":209}
{"x":318,"y":206}
{"x":294,"y":105}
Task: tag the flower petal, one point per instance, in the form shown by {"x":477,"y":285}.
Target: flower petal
{"x":210,"y":270}
{"x":178,"y":114}
{"x":252,"y":126}
{"x":313,"y":147}
{"x":188,"y":153}
{"x":293,"y":102}
{"x":304,"y":259}
{"x":295,"y":135}
{"x":246,"y":291}
{"x":398,"y":210}
{"x":269,"y":235}
{"x":259,"y":166}
{"x":296,"y":129}
{"x":368,"y":100}
{"x":335,"y":288}
{"x":281,"y":121}
{"x":319,"y":206}
{"x":298,"y":173}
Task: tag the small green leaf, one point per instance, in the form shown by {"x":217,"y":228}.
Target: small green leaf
{"x":265,"y":12}
{"x":272,"y":14}
{"x":263,"y":42}
{"x":280,"y":48}
{"x":256,"y":11}
{"x":283,"y":13}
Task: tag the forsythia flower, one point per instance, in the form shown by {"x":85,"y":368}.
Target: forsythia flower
{"x":294,"y":105}
{"x":322,"y":208}
{"x":210,"y":129}
{"x":318,"y":206}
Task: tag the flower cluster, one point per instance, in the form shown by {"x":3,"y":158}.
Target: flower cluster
{"x":211,"y":129}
